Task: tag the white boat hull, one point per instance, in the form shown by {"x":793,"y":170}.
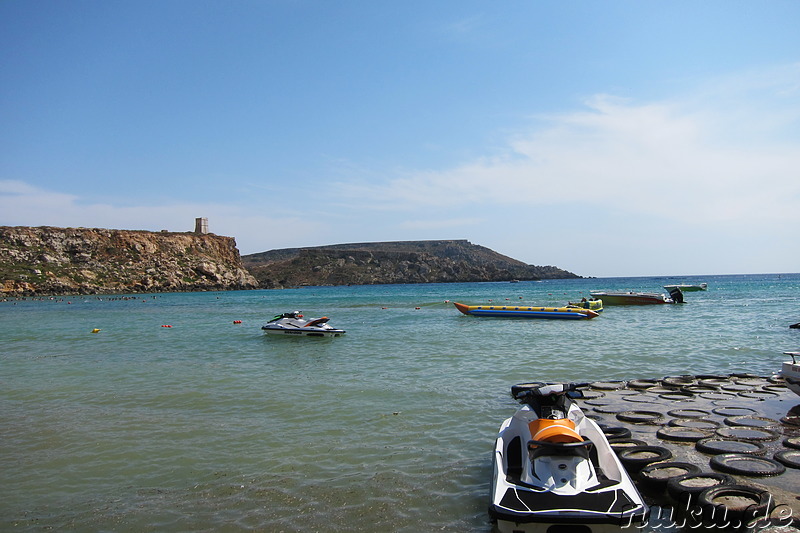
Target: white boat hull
{"x":294,"y":325}
{"x":790,"y":371}
{"x":310,"y":332}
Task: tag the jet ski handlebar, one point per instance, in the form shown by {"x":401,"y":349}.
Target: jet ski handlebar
{"x":539,"y":390}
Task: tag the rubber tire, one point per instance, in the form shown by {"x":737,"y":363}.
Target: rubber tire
{"x":643,"y":383}
{"x":725,"y":462}
{"x":621,"y":444}
{"x":682,"y":491}
{"x":645,"y":418}
{"x":679,"y":434}
{"x":633,"y":464}
{"x":741,"y":421}
{"x":733,"y":410}
{"x":708,"y":446}
{"x":717,"y":513}
{"x":790,"y":458}
{"x":685,"y":413}
{"x":728,"y":433}
{"x":616,"y":433}
{"x":792,"y":442}
{"x":701,"y":423}
{"x":660,"y":483}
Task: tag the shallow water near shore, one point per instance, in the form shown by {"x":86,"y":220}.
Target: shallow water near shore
{"x":209,"y":425}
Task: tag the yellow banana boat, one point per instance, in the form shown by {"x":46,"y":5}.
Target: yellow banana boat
{"x":573,"y":313}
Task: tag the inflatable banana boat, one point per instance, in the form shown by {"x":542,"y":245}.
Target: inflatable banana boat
{"x":518,"y":311}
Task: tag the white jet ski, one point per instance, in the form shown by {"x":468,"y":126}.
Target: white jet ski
{"x":293,"y":324}
{"x":554,"y":470}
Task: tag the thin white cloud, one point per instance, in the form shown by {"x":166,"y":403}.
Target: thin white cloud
{"x":691,"y":160}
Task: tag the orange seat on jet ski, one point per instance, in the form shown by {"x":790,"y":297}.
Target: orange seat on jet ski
{"x":561,"y":430}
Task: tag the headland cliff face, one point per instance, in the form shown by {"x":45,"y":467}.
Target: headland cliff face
{"x":48,"y":260}
{"x":391,"y":262}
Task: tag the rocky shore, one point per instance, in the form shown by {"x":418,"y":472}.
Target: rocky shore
{"x":55,"y":261}
{"x":49,"y":260}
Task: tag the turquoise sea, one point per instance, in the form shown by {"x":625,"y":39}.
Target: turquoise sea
{"x":209,"y":425}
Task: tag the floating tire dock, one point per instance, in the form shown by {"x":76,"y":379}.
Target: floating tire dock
{"x":708,"y":441}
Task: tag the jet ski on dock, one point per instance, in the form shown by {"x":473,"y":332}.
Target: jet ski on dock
{"x":294,"y":325}
{"x":554,"y":470}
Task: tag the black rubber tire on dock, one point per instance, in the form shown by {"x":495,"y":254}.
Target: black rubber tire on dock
{"x":655,"y":476}
{"x":719,"y":507}
{"x":637,"y":457}
{"x":752,"y":421}
{"x":686,"y":489}
{"x":790,"y":458}
{"x":747,"y":433}
{"x":792,"y":442}
{"x":643,"y":383}
{"x":640,"y":417}
{"x":677,"y":382}
{"x":621,"y":444}
{"x":733,"y":411}
{"x":680,"y":434}
{"x":718,"y":445}
{"x":699,"y":423}
{"x":616,"y":433}
{"x":746,"y":465}
{"x":689,"y":413}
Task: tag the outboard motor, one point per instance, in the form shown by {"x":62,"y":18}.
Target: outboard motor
{"x":676,"y":295}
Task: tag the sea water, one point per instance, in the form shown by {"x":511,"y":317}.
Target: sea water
{"x":210,"y":425}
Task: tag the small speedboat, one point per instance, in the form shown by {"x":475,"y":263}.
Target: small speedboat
{"x":554,"y":470}
{"x":638,"y":298}
{"x":687,"y":287}
{"x":790,"y":371}
{"x":594,"y":304}
{"x":293,"y":324}
{"x":520,"y":311}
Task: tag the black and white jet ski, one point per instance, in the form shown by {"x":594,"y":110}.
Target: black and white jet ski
{"x":293,"y":324}
{"x":554,"y":470}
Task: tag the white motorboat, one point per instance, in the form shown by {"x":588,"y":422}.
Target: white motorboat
{"x":688,"y":287}
{"x":294,"y":325}
{"x":638,"y":298}
{"x":790,"y":371}
{"x":554,"y":469}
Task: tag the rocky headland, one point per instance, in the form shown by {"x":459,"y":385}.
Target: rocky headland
{"x":49,"y":260}
{"x":391,"y":262}
{"x":60,"y":261}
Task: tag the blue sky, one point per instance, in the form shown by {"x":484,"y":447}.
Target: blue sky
{"x":608,"y":138}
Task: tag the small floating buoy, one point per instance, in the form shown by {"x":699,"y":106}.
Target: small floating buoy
{"x":416,"y":308}
{"x":95,"y":330}
{"x":166,"y":326}
{"x":237,"y":321}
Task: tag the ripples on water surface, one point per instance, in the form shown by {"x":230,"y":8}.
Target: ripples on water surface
{"x":212,"y":426}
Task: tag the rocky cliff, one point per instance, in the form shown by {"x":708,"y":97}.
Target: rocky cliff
{"x":391,"y":262}
{"x":47,"y":260}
